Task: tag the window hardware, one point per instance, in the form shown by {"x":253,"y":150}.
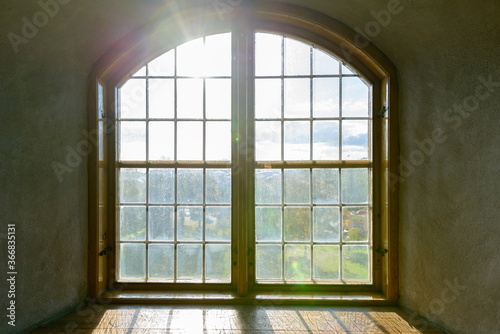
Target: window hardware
{"x":382,"y":251}
{"x":381,"y":112}
{"x":105,"y":250}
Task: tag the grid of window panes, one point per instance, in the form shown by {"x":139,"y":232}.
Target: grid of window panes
{"x":174,"y":176}
{"x":312,"y":224}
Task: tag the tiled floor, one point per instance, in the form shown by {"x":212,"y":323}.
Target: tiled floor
{"x":236,"y":319}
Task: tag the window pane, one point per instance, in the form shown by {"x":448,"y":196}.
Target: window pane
{"x":355,"y":140}
{"x":346,"y":70}
{"x":218,"y":143}
{"x":218,"y":223}
{"x":161,"y":141}
{"x":326,"y":140}
{"x":267,"y":54}
{"x":355,"y":223}
{"x":326,"y":224}
{"x":190,"y":141}
{"x":267,"y":98}
{"x":355,"y":263}
{"x":133,"y":141}
{"x":161,"y":98}
{"x":161,"y":223}
{"x":325,"y":186}
{"x":326,"y":97}
{"x":324,"y":64}
{"x":190,"y":58}
{"x":297,"y":98}
{"x":190,"y":98}
{"x":268,"y":223}
{"x":355,"y":98}
{"x":132,"y":185}
{"x":218,"y":262}
{"x":297,"y":262}
{"x":355,"y":186}
{"x":189,"y":262}
{"x":267,"y":186}
{"x":132,"y":261}
{"x":133,"y":99}
{"x":218,"y":55}
{"x":161,"y":185}
{"x":132,"y":223}
{"x":326,"y":262}
{"x":162,"y":65}
{"x":268,"y":262}
{"x":140,"y":72}
{"x":218,"y":98}
{"x":297,"y":183}
{"x":267,"y":141}
{"x":161,"y":261}
{"x":297,"y":140}
{"x":297,"y":57}
{"x":218,"y":186}
{"x":189,"y":223}
{"x":297,"y":224}
{"x":189,"y":185}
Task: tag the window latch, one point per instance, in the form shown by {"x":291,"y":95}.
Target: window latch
{"x":105,"y":250}
{"x":381,"y":112}
{"x":382,"y":251}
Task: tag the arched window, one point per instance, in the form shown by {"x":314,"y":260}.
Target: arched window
{"x":251,"y":153}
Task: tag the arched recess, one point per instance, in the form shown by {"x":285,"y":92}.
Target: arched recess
{"x":174,"y":26}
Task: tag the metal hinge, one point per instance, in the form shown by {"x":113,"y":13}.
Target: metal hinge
{"x":105,"y":250}
{"x":381,"y":112}
{"x":382,"y":251}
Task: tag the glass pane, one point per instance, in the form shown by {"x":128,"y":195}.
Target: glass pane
{"x":189,"y":98}
{"x":355,"y":263}
{"x":355,"y":140}
{"x":355,"y":98}
{"x":267,"y":186}
{"x":268,"y":223}
{"x":133,"y":99}
{"x":267,"y":98}
{"x":268,"y":262}
{"x":326,"y":262}
{"x":189,"y":223}
{"x":161,"y":261}
{"x":326,"y":140}
{"x":326,"y":97}
{"x":297,"y":224}
{"x":218,"y":98}
{"x":218,"y":186}
{"x":189,"y":185}
{"x":324,"y":64}
{"x":132,"y":223}
{"x":162,"y":65}
{"x":326,"y":224}
{"x":218,"y":143}
{"x":132,"y":261}
{"x":218,"y":55}
{"x":161,"y":98}
{"x":355,"y":223}
{"x":297,"y":57}
{"x":297,"y":262}
{"x":189,"y":261}
{"x":267,"y":141}
{"x":267,"y":54}
{"x":325,"y":186}
{"x":355,"y":186}
{"x":161,"y":223}
{"x":346,"y":70}
{"x":189,"y":141}
{"x":161,"y":185}
{"x":132,"y":185}
{"x":218,"y":262}
{"x":190,"y":58}
{"x":133,"y":141}
{"x":297,"y":98}
{"x":140,"y":72}
{"x":297,"y":140}
{"x":218,"y":223}
{"x":297,"y":186}
{"x":161,"y":141}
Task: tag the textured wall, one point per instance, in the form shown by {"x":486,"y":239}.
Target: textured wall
{"x":449,"y":193}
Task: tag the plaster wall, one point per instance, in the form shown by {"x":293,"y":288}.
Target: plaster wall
{"x":449,"y":210}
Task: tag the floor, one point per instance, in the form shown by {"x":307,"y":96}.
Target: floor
{"x":130,"y":319}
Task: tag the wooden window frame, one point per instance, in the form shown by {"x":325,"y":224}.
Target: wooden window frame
{"x":319,"y":30}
